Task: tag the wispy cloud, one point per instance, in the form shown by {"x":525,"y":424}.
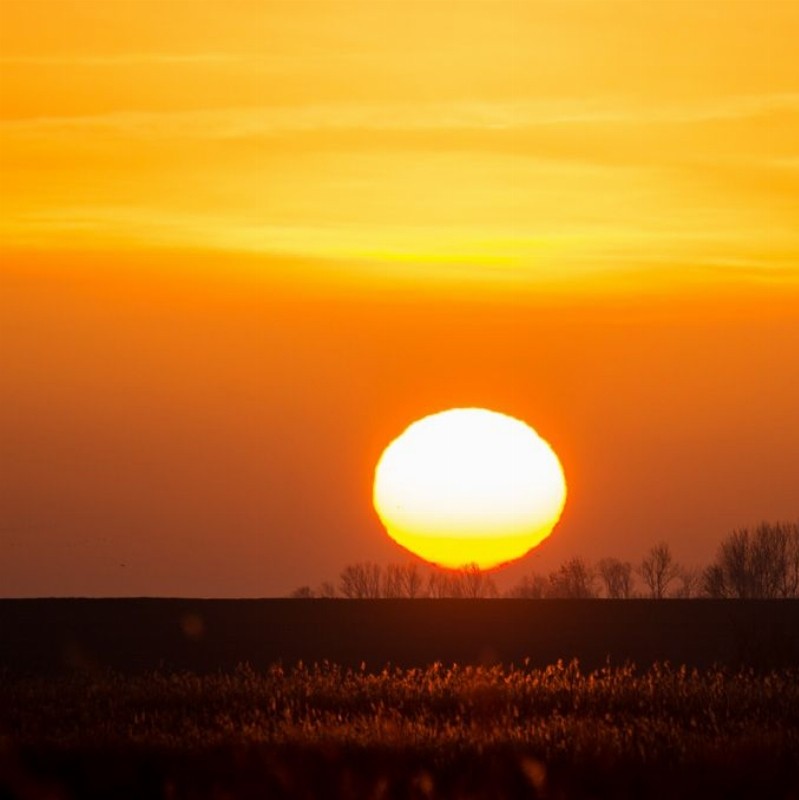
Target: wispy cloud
{"x":241,"y":122}
{"x":131,"y":59}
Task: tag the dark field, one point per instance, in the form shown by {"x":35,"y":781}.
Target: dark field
{"x":139,"y":699}
{"x":129,"y":635}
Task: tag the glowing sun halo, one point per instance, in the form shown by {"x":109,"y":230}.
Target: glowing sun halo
{"x":469,"y":486}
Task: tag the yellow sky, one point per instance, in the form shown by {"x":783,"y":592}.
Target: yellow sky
{"x":495,"y":141}
{"x":244,"y":244}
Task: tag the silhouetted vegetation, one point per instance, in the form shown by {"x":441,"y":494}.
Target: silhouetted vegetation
{"x":362,"y":580}
{"x":616,"y":577}
{"x":574,"y":579}
{"x":530,"y":587}
{"x":438,"y":732}
{"x":659,"y":570}
{"x":763,"y":563}
{"x":469,"y":582}
{"x":366,"y":580}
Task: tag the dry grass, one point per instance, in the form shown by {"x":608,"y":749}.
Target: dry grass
{"x":326,"y":731}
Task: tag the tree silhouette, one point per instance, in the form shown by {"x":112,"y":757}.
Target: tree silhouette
{"x":758,"y":563}
{"x":476,"y":583}
{"x":763,"y":563}
{"x":616,"y":577}
{"x":574,"y":579}
{"x":689,"y":583}
{"x":469,"y":581}
{"x":390,"y":585}
{"x":361,"y":580}
{"x":403,"y":580}
{"x":530,"y":586}
{"x":658,"y":570}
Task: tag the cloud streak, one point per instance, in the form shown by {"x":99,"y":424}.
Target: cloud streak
{"x":129,"y":59}
{"x":241,"y":122}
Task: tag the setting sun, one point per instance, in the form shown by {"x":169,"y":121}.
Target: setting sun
{"x":469,"y":486}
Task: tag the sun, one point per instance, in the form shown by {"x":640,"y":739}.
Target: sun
{"x":469,"y":486}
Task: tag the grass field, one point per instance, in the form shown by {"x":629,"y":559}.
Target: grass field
{"x":145,"y":698}
{"x":439,"y":732}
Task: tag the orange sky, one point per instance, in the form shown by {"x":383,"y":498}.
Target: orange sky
{"x":246,"y":243}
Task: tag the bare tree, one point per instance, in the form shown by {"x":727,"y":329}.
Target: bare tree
{"x":616,"y":577}
{"x":573,"y":579}
{"x":411,"y":580}
{"x":658,"y":570}
{"x":762,"y":563}
{"x":732,"y":573}
{"x":781,"y":557}
{"x":326,"y":590}
{"x":714,"y":582}
{"x":530,"y":586}
{"x":441,"y":583}
{"x":689,"y":582}
{"x":792,"y":561}
{"x":303,"y":592}
{"x":392,"y":581}
{"x":402,"y":580}
{"x":360,"y":580}
{"x":476,"y":582}
{"x":470,"y":581}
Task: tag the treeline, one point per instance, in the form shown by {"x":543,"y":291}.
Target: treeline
{"x":762,"y":562}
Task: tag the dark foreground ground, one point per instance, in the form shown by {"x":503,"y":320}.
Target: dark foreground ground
{"x":65,"y":635}
{"x":143,"y":699}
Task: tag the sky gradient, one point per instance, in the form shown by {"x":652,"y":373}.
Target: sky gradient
{"x":245,"y":244}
